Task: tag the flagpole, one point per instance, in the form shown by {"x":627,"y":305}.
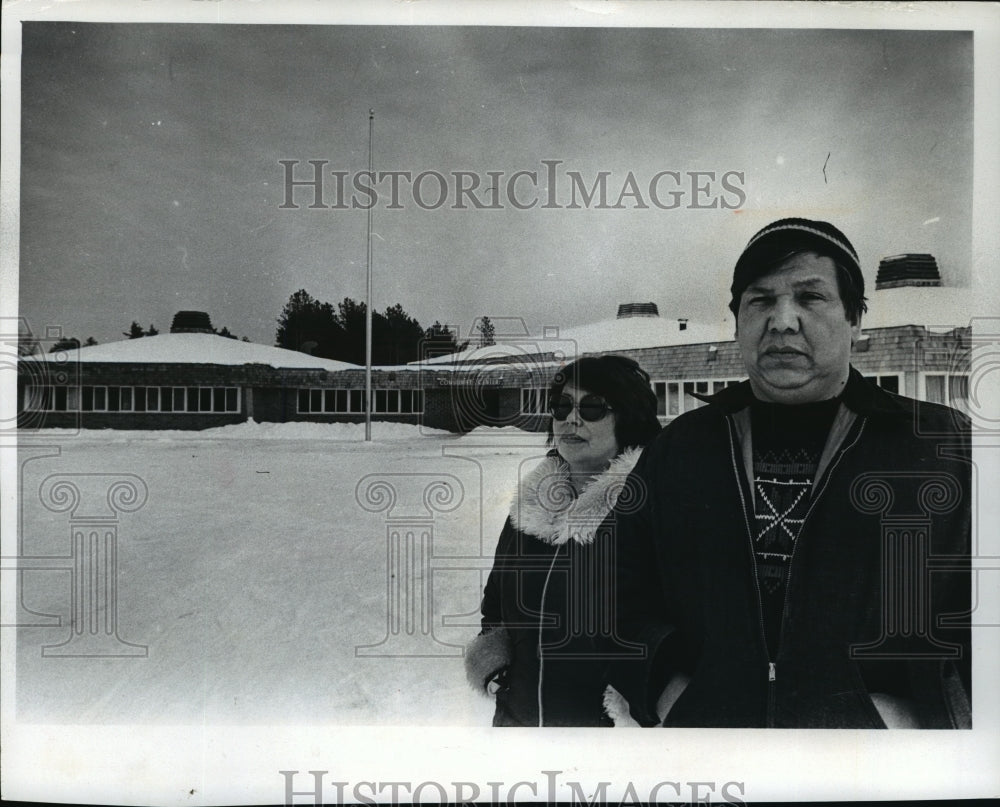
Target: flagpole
{"x":368,"y":294}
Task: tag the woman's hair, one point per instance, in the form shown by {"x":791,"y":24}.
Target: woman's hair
{"x":624,"y":385}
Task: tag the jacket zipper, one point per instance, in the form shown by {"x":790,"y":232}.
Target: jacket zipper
{"x":772,"y":667}
{"x":812,"y":506}
{"x":772,"y":671}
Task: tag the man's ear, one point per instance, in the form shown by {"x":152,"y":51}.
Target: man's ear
{"x":856,"y":330}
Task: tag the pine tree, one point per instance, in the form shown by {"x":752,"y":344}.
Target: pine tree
{"x":135,"y":331}
{"x":398,"y":337}
{"x":69,"y":343}
{"x":309,"y":326}
{"x":351,"y":318}
{"x":440,"y":340}
{"x":487,"y":333}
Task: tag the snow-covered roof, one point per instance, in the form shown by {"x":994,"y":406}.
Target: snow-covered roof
{"x":634,"y":333}
{"x":929,"y":306}
{"x":198,"y":348}
{"x":629,"y":333}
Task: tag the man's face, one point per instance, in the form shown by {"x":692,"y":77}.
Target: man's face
{"x":793,"y":332}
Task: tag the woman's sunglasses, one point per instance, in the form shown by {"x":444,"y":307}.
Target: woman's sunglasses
{"x":591,"y":407}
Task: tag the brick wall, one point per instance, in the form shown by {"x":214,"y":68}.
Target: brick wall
{"x":452,"y":401}
{"x":438,"y":410}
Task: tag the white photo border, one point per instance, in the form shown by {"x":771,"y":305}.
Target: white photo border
{"x":205,"y":764}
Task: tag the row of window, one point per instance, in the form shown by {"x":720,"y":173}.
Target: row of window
{"x":676,"y":397}
{"x":672,"y":397}
{"x":49,"y":398}
{"x":346,"y":401}
{"x":951,"y":389}
{"x":534,"y":401}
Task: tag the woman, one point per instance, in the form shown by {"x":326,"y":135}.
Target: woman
{"x":542,"y":606}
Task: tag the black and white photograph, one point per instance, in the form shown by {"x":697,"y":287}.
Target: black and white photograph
{"x":378,"y":380}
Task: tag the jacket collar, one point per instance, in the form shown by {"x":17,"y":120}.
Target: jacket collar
{"x":546,"y":507}
{"x":860,"y":396}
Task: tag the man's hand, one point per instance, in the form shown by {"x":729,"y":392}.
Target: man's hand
{"x":671,"y":692}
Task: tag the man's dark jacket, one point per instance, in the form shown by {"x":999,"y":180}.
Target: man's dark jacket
{"x":877,"y":591}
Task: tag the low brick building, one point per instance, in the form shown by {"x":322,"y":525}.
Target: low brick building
{"x":916,"y":341}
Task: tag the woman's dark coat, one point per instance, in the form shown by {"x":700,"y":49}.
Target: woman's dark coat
{"x":545,"y":601}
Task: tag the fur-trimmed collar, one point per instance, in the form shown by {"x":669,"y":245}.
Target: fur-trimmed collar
{"x":546,"y":506}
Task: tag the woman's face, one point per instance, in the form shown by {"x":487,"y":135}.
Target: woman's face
{"x":587,"y":445}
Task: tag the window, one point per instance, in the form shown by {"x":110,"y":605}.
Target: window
{"x":534,"y":400}
{"x":90,"y":398}
{"x":343,"y":401}
{"x":38,"y":398}
{"x":660,"y":388}
{"x":951,"y":389}
{"x":676,"y":397}
{"x":958,"y":391}
{"x":890,"y":382}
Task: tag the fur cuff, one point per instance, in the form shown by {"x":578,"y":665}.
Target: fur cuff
{"x":485,"y":655}
{"x":617,"y":708}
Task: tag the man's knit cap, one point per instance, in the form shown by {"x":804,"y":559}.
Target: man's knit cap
{"x":782,"y":239}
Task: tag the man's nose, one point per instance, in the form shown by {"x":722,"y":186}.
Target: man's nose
{"x":784,"y":316}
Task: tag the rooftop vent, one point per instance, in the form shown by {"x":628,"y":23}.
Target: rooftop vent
{"x":626,"y":310}
{"x":191,"y":322}
{"x":907,"y":270}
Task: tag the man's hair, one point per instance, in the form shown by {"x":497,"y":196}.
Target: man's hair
{"x":624,"y":385}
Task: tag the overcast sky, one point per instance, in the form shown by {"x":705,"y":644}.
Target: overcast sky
{"x":150,"y":179}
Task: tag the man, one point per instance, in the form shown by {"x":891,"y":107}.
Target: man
{"x":777,"y":564}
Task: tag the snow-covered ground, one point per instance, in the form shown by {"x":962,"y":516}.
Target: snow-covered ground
{"x":257,"y":568}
